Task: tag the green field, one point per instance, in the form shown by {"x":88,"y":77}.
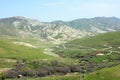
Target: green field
{"x":105,"y":74}
{"x":10,"y":53}
{"x":14,"y":51}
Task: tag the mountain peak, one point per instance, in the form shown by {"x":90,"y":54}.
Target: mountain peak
{"x":20,"y":17}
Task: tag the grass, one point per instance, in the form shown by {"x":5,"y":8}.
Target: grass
{"x":110,"y":38}
{"x":70,"y":77}
{"x":36,"y":42}
{"x":105,"y":74}
{"x":10,"y":51}
{"x":90,"y":45}
{"x":60,"y":78}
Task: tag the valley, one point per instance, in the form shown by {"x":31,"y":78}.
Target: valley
{"x":60,"y":50}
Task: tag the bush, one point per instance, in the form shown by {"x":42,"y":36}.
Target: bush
{"x":11,"y":74}
{"x":41,"y":73}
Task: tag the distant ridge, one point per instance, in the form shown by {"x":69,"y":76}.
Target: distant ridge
{"x":22,"y":27}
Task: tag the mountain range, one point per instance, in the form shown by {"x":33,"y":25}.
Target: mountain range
{"x":21,"y":27}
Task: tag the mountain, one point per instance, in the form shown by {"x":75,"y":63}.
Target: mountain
{"x":97,"y":24}
{"x":93,"y":25}
{"x":22,"y":27}
{"x":14,"y":28}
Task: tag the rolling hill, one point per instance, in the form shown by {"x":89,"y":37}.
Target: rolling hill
{"x":103,"y":42}
{"x":105,"y":74}
{"x":111,"y":38}
{"x":10,"y":52}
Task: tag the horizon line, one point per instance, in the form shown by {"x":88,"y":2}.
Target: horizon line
{"x":60,"y":19}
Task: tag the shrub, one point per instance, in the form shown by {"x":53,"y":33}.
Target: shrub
{"x":11,"y":74}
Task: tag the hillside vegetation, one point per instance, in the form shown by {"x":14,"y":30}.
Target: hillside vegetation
{"x":14,"y":51}
{"x":10,"y":53}
{"x":108,"y":42}
{"x":104,"y":67}
{"x":105,"y":74}
{"x":108,"y":39}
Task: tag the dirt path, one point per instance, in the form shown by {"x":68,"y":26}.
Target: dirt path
{"x":48,"y":51}
{"x":25,"y":44}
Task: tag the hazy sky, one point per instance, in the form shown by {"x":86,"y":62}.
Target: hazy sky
{"x":49,"y":10}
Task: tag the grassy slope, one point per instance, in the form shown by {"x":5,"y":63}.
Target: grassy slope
{"x":111,"y":38}
{"x":105,"y":74}
{"x":86,"y":45}
{"x":36,"y":42}
{"x":10,"y":52}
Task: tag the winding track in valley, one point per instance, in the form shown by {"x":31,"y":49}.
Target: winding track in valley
{"x":48,"y":51}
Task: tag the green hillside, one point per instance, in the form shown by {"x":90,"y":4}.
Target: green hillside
{"x":87,"y":49}
{"x":110,"y":39}
{"x":102,"y":42}
{"x":13,"y":51}
{"x":105,"y":74}
{"x":10,"y":53}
